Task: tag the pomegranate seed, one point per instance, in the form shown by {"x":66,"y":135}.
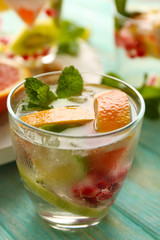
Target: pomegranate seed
{"x":102,"y":185}
{"x":25,"y":57}
{"x":45,"y":52}
{"x":141,"y":52}
{"x":36,"y":55}
{"x":104,"y":195}
{"x":88,"y":191}
{"x":51,"y":12}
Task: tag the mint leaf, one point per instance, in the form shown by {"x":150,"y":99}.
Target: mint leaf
{"x":69,"y":47}
{"x":121,"y":5}
{"x":70,"y":33}
{"x":39,"y":95}
{"x":70,"y":83}
{"x":152,"y":108}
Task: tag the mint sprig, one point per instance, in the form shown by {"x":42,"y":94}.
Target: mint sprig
{"x":70,"y":33}
{"x":39,"y":95}
{"x":70,"y":83}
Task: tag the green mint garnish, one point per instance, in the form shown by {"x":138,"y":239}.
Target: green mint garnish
{"x":121,"y":6}
{"x":70,"y":33}
{"x":70,"y":83}
{"x":39,"y":95}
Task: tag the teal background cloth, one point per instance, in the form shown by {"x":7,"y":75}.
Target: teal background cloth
{"x":135,"y":215}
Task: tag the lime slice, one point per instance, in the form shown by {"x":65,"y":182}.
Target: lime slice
{"x":59,"y":202}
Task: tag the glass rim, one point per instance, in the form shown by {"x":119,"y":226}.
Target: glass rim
{"x":119,"y":130}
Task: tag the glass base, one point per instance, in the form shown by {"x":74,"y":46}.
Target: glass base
{"x":60,"y":219}
{"x":68,"y":223}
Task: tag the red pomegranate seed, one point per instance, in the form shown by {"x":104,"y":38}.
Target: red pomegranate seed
{"x":45,"y":52}
{"x":141,"y":52}
{"x":104,"y":195}
{"x":36,"y":55}
{"x":51,"y":12}
{"x":25,"y":57}
{"x":88,"y":191}
{"x":102,"y":185}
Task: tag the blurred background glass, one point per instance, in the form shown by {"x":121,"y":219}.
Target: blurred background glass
{"x":137,"y":39}
{"x":29,"y":30}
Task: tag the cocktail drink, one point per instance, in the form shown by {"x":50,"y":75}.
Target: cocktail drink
{"x":137,"y":38}
{"x":74,"y":156}
{"x":36,"y":37}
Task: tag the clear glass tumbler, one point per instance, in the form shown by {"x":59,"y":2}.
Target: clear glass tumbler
{"x":73,"y":179}
{"x":137,"y":39}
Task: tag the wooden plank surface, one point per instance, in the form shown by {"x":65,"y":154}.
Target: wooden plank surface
{"x":18,"y":218}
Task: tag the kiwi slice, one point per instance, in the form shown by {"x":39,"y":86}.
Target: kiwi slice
{"x":59,"y":202}
{"x":33,"y":40}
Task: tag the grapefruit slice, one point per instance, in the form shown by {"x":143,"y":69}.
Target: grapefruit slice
{"x":59,"y":115}
{"x":58,"y":201}
{"x":112,"y":110}
{"x":11,"y":74}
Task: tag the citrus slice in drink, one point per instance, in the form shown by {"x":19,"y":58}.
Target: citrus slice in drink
{"x":11,"y":74}
{"x":59,"y":115}
{"x":57,"y":201}
{"x":112,"y":110}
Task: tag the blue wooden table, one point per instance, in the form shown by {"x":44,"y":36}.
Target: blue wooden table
{"x":136,"y":212}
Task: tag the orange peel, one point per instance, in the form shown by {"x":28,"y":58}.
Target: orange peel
{"x":112,"y":110}
{"x":59,"y":115}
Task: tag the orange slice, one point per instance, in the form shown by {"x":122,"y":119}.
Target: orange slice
{"x":112,"y":110}
{"x":11,"y":74}
{"x":59,"y":115}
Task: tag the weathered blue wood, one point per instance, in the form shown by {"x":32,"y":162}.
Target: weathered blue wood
{"x":18,"y":219}
{"x":150,"y":137}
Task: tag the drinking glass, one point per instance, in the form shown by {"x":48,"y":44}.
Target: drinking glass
{"x":73,"y":179}
{"x":137,"y":39}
